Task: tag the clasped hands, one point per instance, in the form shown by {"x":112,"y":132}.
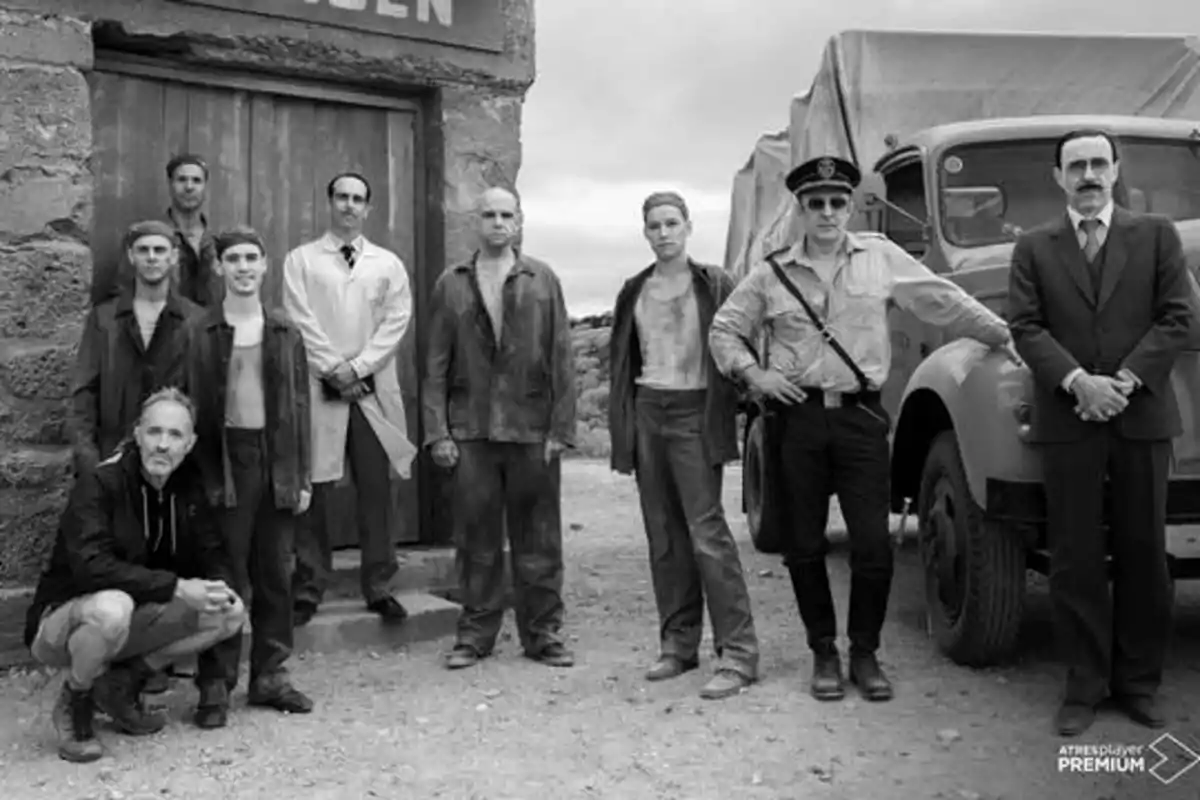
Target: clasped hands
{"x":445,"y":452}
{"x":1099,"y":398}
{"x":208,"y":596}
{"x":346,"y":381}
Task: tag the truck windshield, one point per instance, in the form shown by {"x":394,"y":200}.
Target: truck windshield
{"x":990,"y":192}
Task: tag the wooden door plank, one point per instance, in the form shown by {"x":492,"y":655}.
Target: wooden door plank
{"x":219,"y":131}
{"x":399,"y":195}
{"x":127,"y":132}
{"x":175,"y":120}
{"x":268,"y":207}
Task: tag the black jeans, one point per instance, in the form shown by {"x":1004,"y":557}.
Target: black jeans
{"x":692,"y":551}
{"x":259,"y":538}
{"x":368,"y":465}
{"x":843,"y":451}
{"x":499,"y":486}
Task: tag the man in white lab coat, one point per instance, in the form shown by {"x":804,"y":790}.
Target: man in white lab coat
{"x":351,"y":300}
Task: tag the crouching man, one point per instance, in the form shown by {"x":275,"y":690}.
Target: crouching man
{"x":138,"y":578}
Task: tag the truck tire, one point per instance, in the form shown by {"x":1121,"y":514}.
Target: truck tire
{"x":974,"y":567}
{"x":753,"y":477}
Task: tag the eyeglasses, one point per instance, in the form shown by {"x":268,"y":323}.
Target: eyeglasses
{"x":819,"y":203}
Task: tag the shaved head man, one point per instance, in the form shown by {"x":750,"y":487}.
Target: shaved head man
{"x":501,"y":430}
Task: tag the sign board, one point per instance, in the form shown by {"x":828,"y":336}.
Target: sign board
{"x":476,"y":24}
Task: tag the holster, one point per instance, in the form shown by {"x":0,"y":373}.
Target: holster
{"x":773,"y":533}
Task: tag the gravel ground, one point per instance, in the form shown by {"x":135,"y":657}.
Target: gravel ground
{"x":397,"y":725}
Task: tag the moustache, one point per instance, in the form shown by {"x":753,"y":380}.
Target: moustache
{"x":1089,"y":185}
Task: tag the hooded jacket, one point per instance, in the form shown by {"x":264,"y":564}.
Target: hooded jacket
{"x":109,"y":530}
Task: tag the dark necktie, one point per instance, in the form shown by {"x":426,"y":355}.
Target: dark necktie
{"x":1091,"y":246}
{"x":348,"y":254}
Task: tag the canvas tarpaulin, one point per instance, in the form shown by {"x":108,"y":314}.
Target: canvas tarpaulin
{"x":872,"y":84}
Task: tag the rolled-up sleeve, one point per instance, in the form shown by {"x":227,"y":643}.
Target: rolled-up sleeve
{"x":734,"y":326}
{"x":937,"y":301}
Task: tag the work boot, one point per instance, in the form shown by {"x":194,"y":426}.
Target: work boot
{"x":866,"y":674}
{"x":212,"y":709}
{"x":73,"y":716}
{"x":827,"y":682}
{"x":725,"y":683}
{"x":118,"y":693}
{"x":553,"y":655}
{"x":277,"y":692}
{"x":668,"y":667}
{"x":462,"y":656}
{"x":159,"y":682}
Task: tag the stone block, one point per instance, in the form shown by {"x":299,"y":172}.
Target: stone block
{"x":37,"y":371}
{"x":27,"y":468}
{"x":33,"y":422}
{"x":13,"y":605}
{"x":46,"y":116}
{"x":28,"y":520}
{"x":44,"y":39}
{"x":44,"y":289}
{"x":37,"y":202}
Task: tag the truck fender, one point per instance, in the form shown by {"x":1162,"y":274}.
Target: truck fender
{"x":985,"y":397}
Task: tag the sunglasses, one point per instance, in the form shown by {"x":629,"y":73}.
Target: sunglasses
{"x":819,"y":203}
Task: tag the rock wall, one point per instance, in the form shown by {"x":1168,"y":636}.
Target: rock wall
{"x":590,"y":337}
{"x":45,"y":269}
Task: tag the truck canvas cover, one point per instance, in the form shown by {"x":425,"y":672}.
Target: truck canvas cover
{"x":874,"y":84}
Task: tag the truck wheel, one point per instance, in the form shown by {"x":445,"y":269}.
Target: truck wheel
{"x":753,"y":477}
{"x":974,"y":567}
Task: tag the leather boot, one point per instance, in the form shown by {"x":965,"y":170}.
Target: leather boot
{"x":866,"y":674}
{"x":73,"y":716}
{"x":827,"y":682}
{"x":118,"y":693}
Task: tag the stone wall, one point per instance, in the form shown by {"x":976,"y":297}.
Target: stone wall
{"x":45,"y":269}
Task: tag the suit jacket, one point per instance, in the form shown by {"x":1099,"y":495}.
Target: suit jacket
{"x":1139,"y":319}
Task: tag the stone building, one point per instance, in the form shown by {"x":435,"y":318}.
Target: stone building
{"x":423,"y":96}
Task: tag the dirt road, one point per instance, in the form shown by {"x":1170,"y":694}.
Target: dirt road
{"x":396,"y":725}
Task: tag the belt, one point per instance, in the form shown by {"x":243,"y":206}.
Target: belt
{"x":838,"y":399}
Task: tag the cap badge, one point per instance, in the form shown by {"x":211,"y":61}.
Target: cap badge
{"x":825,"y":168}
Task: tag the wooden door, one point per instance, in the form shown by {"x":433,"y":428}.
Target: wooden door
{"x":270,"y":157}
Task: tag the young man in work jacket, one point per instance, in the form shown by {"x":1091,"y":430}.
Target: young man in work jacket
{"x":128,"y":343}
{"x":824,"y":413}
{"x":247,"y":370}
{"x":673,"y":421}
{"x":138,"y":577}
{"x":499,"y":403}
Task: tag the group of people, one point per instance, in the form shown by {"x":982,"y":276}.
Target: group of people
{"x":1099,"y":308}
{"x":206,"y":425}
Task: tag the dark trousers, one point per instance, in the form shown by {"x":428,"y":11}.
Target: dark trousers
{"x":258,"y":536}
{"x":842,"y":451}
{"x":499,"y":485}
{"x":692,"y":551}
{"x":1116,"y":642}
{"x":367,"y":464}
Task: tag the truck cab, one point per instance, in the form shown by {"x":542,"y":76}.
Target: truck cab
{"x":956,"y":197}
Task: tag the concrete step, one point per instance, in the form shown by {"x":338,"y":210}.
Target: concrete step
{"x":347,"y":625}
{"x":425,"y":575}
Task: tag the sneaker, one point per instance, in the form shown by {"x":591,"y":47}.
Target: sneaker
{"x":73,"y":716}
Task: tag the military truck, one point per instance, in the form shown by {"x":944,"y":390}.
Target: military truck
{"x":956,"y":195}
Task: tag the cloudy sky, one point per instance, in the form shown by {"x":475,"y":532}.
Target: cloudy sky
{"x":637,"y":95}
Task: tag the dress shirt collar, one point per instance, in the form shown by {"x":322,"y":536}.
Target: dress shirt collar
{"x":1105,"y":216}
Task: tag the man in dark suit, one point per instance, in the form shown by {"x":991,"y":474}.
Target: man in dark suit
{"x":1099,"y":310}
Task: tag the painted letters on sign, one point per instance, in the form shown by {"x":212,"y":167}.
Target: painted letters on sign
{"x":477,"y":24}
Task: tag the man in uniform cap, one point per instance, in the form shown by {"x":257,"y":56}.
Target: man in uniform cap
{"x":821,"y":395}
